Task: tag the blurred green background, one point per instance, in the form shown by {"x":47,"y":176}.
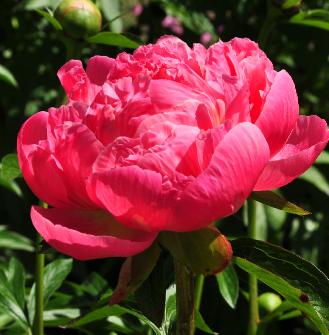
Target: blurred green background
{"x":295,"y":36}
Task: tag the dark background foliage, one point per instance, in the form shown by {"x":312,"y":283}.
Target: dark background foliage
{"x":32,"y":50}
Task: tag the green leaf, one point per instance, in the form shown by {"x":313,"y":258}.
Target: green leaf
{"x":94,"y":285}
{"x":169,"y":319}
{"x":60,"y":316}
{"x":201,"y":324}
{"x":7,"y":76}
{"x":9,"y":167}
{"x":297,"y":280}
{"x":15,"y":241}
{"x":16,"y":279}
{"x":35,"y":4}
{"x":316,"y":178}
{"x":228,"y":284}
{"x":134,"y":271}
{"x":106,"y":311}
{"x":9,"y":170}
{"x":50,"y":18}
{"x":318,"y":18}
{"x":8,"y":302}
{"x":290,"y":3}
{"x":272,"y":199}
{"x":115,"y":39}
{"x":5,"y":318}
{"x":54,"y":275}
{"x":205,"y":251}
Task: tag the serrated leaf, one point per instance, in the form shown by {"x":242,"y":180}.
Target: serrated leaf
{"x":134,"y":271}
{"x":300,"y":282}
{"x":16,"y":280}
{"x":7,"y":76}
{"x":228,"y":284}
{"x":50,"y":18}
{"x":114,"y":39}
{"x":8,"y":302}
{"x":316,"y":178}
{"x":54,"y":275}
{"x":272,"y":199}
{"x":205,"y":251}
{"x":15,"y":241}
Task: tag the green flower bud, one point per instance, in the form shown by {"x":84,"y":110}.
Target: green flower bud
{"x":79,"y":18}
{"x":269,"y":301}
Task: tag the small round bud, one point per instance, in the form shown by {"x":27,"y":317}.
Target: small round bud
{"x":269,"y":301}
{"x":79,"y":18}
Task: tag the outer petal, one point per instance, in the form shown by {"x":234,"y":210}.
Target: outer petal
{"x":31,"y":133}
{"x":88,"y":234}
{"x":228,"y":180}
{"x":37,"y":164}
{"x":131,"y":194}
{"x":280,"y":112}
{"x":303,"y":146}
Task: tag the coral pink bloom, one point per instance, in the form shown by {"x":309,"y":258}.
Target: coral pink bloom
{"x":169,"y":138}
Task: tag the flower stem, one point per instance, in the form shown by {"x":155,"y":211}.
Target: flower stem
{"x":184,"y":299}
{"x":39,"y":272}
{"x":253,"y":286}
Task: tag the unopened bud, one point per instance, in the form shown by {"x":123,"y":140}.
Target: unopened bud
{"x":79,"y":18}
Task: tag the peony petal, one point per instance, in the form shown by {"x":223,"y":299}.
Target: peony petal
{"x":280,"y":112}
{"x":88,"y":235}
{"x":31,"y":133}
{"x":98,"y":68}
{"x":37,"y":164}
{"x":166,"y":94}
{"x":45,"y":179}
{"x":130,"y":193}
{"x":76,"y":149}
{"x":228,"y":180}
{"x":74,"y":81}
{"x":303,"y":146}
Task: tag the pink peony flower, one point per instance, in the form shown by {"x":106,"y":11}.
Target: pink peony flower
{"x":169,"y":138}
